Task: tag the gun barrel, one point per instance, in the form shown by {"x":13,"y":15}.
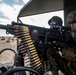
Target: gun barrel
{"x":3,"y":26}
{"x":8,"y":28}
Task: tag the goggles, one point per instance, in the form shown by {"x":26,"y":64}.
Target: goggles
{"x":53,"y":23}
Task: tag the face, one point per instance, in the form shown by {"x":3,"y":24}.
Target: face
{"x":73,"y":26}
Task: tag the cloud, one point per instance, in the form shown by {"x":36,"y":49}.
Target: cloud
{"x":13,"y":2}
{"x":4,"y":21}
{"x":8,"y":12}
{"x":25,"y":1}
{"x":3,"y":16}
{"x":19,"y":2}
{"x":0,"y":0}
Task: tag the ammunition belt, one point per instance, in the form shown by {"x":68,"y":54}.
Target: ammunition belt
{"x":27,"y":48}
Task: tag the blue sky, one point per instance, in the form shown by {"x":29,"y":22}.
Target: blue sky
{"x":9,"y":10}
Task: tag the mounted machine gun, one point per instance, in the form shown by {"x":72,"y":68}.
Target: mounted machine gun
{"x":33,"y":42}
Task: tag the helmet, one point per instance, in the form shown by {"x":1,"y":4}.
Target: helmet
{"x":71,"y":17}
{"x":56,"y":19}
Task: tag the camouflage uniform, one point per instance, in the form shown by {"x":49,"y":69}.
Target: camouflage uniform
{"x":69,"y":53}
{"x":67,"y":62}
{"x":54,"y":61}
{"x":51,"y":53}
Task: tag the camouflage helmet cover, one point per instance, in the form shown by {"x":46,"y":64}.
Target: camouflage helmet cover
{"x":71,"y":17}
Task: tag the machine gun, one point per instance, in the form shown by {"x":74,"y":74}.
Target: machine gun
{"x":33,"y":41}
{"x":59,"y":34}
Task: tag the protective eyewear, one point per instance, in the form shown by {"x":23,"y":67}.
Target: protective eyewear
{"x":53,"y":23}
